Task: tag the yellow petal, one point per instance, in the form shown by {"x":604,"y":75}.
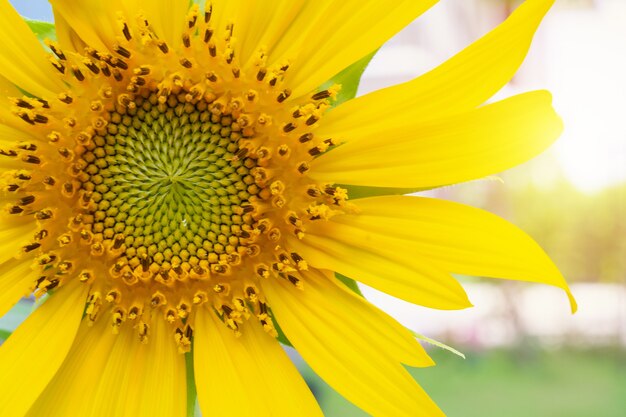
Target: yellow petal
{"x":453,"y":237}
{"x":94,"y":21}
{"x":35,"y":351}
{"x":336,"y":34}
{"x":71,"y":391}
{"x":462,"y":83}
{"x":22,"y":59}
{"x":354,"y":362}
{"x":66,"y":35}
{"x":458,"y":148}
{"x":16,"y":278}
{"x":167,"y":17}
{"x":246,"y":376}
{"x":142,"y":380}
{"x":410,"y":278}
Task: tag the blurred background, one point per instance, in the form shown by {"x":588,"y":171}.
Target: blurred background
{"x":525,"y":354}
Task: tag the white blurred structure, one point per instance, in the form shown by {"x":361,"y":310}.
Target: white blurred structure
{"x":512,"y":314}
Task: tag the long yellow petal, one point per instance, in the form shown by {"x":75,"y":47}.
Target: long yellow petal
{"x":353,"y":27}
{"x":22,"y":59}
{"x":354,"y":363}
{"x":462,"y":83}
{"x":459,"y":148}
{"x":143,"y":380}
{"x":410,"y":278}
{"x":35,"y":351}
{"x":66,"y":35}
{"x":16,"y":278}
{"x":94,"y":21}
{"x":166,"y":17}
{"x":71,"y":391}
{"x":246,"y":376}
{"x":454,"y":237}
{"x":261,"y":23}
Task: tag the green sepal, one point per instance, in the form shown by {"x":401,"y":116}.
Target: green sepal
{"x":43,"y":30}
{"x":350,"y":283}
{"x":282,"y":338}
{"x":349,"y":79}
{"x":192,"y":394}
{"x":4,"y":334}
{"x":363,"y":191}
{"x":436,"y":343}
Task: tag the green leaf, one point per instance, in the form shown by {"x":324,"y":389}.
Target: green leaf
{"x":436,"y":343}
{"x":43,"y":30}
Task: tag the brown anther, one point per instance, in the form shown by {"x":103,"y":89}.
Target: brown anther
{"x":211,"y":76}
{"x":163,"y":47}
{"x":236,"y":72}
{"x":118,"y":241}
{"x":113,"y":296}
{"x":64,"y":266}
{"x":315,"y":151}
{"x":31,"y":247}
{"x":77,"y":73}
{"x":117,"y":75}
{"x":65,"y":98}
{"x":126,"y":32}
{"x":92,"y":67}
{"x":46,"y":258}
{"x":40,"y":118}
{"x":303,"y":167}
{"x":43,"y":214}
{"x":207,"y":35}
{"x":294,"y":280}
{"x":289,"y":127}
{"x":85,"y":276}
{"x":312,"y":120}
{"x":186,"y":63}
{"x":212,"y":50}
{"x":122,"y":51}
{"x":31,"y":159}
{"x":68,"y":189}
{"x":186,"y":40}
{"x":321,"y":95}
{"x":284,"y":95}
{"x":23,"y":104}
{"x":59,"y":67}
{"x":307,"y":137}
{"x":263,"y":271}
{"x":24,"y":201}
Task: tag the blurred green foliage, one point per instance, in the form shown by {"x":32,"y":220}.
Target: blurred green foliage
{"x":512,"y":384}
{"x":584,"y":234}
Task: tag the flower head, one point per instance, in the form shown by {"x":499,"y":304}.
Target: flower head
{"x":176,"y":181}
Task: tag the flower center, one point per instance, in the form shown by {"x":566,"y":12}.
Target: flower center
{"x":165,"y":180}
{"x":169,"y":178}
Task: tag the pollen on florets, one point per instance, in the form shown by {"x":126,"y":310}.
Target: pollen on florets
{"x":168,"y":177}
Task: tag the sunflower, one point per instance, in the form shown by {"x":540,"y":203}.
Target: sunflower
{"x":177,"y":185}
